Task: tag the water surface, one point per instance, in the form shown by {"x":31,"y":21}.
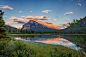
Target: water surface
{"x":51,"y":39}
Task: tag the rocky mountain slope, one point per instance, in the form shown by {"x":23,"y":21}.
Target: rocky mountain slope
{"x":33,"y":24}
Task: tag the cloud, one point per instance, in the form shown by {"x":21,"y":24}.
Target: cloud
{"x":63,"y":25}
{"x":22,"y":16}
{"x":10,"y":23}
{"x":46,"y":11}
{"x":79,"y":4}
{"x":0,"y":7}
{"x":5,"y":17}
{"x":18,"y":20}
{"x":20,"y":11}
{"x":54,"y":19}
{"x":67,"y":19}
{"x":38,"y":17}
{"x":7,"y":7}
{"x":30,"y":11}
{"x":68,"y":13}
{"x":58,"y":17}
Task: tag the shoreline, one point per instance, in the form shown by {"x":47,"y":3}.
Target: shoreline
{"x":46,"y":34}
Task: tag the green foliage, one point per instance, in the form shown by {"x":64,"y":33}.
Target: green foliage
{"x":3,"y":28}
{"x":80,"y":42}
{"x":15,"y":49}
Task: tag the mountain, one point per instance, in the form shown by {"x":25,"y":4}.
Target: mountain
{"x":79,"y":27}
{"x":33,"y":24}
{"x":12,"y":28}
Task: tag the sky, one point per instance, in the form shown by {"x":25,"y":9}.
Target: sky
{"x":57,"y":12}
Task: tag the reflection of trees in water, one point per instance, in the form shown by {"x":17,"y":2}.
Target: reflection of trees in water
{"x":71,"y":37}
{"x":40,"y":36}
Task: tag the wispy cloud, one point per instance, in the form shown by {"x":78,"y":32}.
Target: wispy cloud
{"x":20,"y":11}
{"x":30,"y":11}
{"x":7,"y":7}
{"x":5,"y":17}
{"x":0,"y":7}
{"x":79,"y":4}
{"x":68,"y":13}
{"x":18,"y":20}
{"x":67,"y":19}
{"x":62,"y":25}
{"x":58,"y":17}
{"x":10,"y":23}
{"x":54,"y":19}
{"x":46,"y":11}
{"x":38,"y":17}
{"x":22,"y":16}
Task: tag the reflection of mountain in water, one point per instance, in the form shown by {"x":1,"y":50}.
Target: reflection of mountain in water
{"x":58,"y":41}
{"x":61,"y":41}
{"x":49,"y":40}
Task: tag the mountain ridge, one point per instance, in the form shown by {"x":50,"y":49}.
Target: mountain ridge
{"x":33,"y":24}
{"x":49,"y":25}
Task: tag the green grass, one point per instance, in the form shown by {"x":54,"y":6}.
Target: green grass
{"x":28,"y":34}
{"x":66,"y":34}
{"x":18,"y":48}
{"x":43,"y":34}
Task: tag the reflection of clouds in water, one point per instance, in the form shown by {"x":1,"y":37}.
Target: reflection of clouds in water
{"x":61,"y":41}
{"x":19,"y":38}
{"x":55,"y":41}
{"x":58,"y":41}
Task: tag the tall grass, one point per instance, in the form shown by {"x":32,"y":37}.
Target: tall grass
{"x":16,"y":48}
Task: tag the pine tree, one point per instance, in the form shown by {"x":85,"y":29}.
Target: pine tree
{"x":3,"y":28}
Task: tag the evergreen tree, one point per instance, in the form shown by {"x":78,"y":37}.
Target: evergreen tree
{"x":3,"y":28}
{"x":10,"y":29}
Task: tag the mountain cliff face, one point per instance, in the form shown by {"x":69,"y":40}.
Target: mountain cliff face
{"x":33,"y":24}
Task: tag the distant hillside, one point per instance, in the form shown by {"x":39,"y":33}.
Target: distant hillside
{"x":79,"y":27}
{"x":12,"y":28}
{"x":33,"y":24}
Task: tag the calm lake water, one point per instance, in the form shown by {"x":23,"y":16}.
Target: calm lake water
{"x":51,"y":39}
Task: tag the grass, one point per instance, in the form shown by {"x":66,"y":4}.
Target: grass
{"x":17,"y":48}
{"x":28,"y":34}
{"x":67,"y":34}
{"x":44,"y":34}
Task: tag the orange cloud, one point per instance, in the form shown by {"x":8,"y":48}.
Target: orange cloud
{"x":30,"y":11}
{"x":54,"y":19}
{"x":46,"y":11}
{"x":67,"y":19}
{"x":38,"y":17}
{"x":10,"y":23}
{"x":0,"y":7}
{"x":20,"y":11}
{"x":68,"y":13}
{"x":7,"y":7}
{"x":19,"y":20}
{"x":19,"y":28}
{"x":22,"y":16}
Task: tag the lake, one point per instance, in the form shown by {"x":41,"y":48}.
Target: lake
{"x":66,"y":40}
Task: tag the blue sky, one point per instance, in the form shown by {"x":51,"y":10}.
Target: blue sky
{"x":57,"y":12}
